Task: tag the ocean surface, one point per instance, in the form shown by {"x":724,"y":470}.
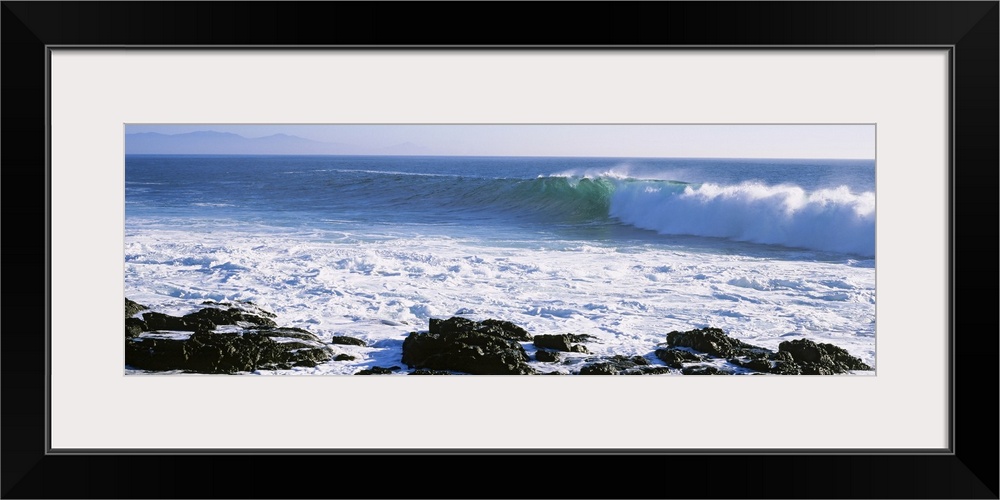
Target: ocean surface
{"x":625,"y":250}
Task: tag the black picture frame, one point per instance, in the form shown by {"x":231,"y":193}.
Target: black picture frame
{"x":970,"y":29}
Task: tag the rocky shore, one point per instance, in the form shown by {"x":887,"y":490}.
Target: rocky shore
{"x":240,"y":337}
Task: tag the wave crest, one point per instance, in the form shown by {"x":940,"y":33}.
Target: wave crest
{"x":826,"y":219}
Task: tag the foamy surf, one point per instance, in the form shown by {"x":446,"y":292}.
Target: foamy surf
{"x":372,"y":248}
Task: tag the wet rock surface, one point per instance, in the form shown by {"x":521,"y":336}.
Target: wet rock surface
{"x":424,"y":371}
{"x":715,"y":342}
{"x":342,"y":340}
{"x":491,"y":327}
{"x":815,"y":358}
{"x":616,"y":365}
{"x":795,"y":357}
{"x":241,"y":337}
{"x":480,"y":348}
{"x":378,"y":370}
{"x":676,"y":358}
{"x":546,"y":356}
{"x":134,"y":327}
{"x":255,"y":343}
{"x":133,"y":308}
{"x":563,"y":343}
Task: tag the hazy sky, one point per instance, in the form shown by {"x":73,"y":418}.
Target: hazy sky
{"x":708,"y":141}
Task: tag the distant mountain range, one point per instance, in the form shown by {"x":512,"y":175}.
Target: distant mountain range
{"x":209,"y":142}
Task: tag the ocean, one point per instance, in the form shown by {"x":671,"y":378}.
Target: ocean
{"x":624,"y":250}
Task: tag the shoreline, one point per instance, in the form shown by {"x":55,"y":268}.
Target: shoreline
{"x":241,"y":338}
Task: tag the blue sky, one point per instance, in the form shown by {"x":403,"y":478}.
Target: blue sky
{"x":685,"y":141}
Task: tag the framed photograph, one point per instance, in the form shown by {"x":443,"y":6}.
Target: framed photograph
{"x":283,"y":202}
{"x":353,"y":249}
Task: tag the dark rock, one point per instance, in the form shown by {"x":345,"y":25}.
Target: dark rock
{"x":344,"y":357}
{"x":342,"y":340}
{"x":292,"y":333}
{"x":546,"y":356}
{"x":132,"y":308}
{"x":759,"y":365}
{"x":600,"y":369}
{"x":210,"y":317}
{"x":157,"y":354}
{"x":506,"y":329}
{"x":818,"y":369}
{"x":783,"y":357}
{"x":557,"y":342}
{"x":715,"y":342}
{"x":820,"y":359}
{"x":378,"y":370}
{"x":580,"y":337}
{"x":842,"y":358}
{"x":802,"y":350}
{"x":677,"y":357}
{"x":133,"y":327}
{"x":639,"y":360}
{"x":615,"y":365}
{"x":424,"y":371}
{"x":649,"y":370}
{"x":491,"y":327}
{"x":704,"y":370}
{"x":560,"y":343}
{"x":160,"y":321}
{"x":794,"y":357}
{"x":207,"y":319}
{"x":466,"y":346}
{"x":785,"y":368}
{"x":207,"y":352}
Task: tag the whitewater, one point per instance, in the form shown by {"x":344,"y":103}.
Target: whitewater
{"x":624,"y":250}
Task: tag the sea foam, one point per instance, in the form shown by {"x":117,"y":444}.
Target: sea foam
{"x":834,"y":220}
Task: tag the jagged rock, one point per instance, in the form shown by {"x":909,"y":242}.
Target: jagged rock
{"x":210,"y":317}
{"x":491,"y":327}
{"x":132,"y":308}
{"x":759,"y":365}
{"x":561,"y":342}
{"x":206,"y":319}
{"x":294,"y":333}
{"x":344,"y":357}
{"x":134,"y":327}
{"x":600,"y":369}
{"x":459,"y":344}
{"x":676,"y":358}
{"x":207,"y":352}
{"x":704,"y":370}
{"x":424,"y":371}
{"x":817,"y":359}
{"x":507,"y":330}
{"x":160,"y":321}
{"x":378,"y":370}
{"x":258,"y":346}
{"x":616,"y":365}
{"x":342,"y":340}
{"x":794,"y":357}
{"x":649,"y":370}
{"x":546,"y":356}
{"x":557,"y":342}
{"x":715,"y":342}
